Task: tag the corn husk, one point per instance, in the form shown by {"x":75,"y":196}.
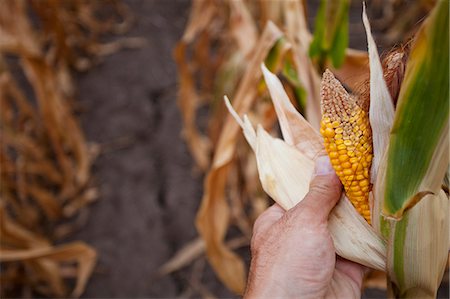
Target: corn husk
{"x":286,"y":171}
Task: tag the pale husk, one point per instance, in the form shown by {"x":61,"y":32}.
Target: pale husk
{"x":285,"y":174}
{"x":381,"y":115}
{"x":423,"y":236}
{"x":381,"y":111}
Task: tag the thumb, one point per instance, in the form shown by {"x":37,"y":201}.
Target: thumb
{"x":324,"y":192}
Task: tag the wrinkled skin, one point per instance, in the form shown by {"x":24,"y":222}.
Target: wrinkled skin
{"x":293,"y":255}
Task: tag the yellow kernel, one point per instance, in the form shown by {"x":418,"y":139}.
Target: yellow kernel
{"x":335,"y":124}
{"x":339,"y":173}
{"x":369,"y":158}
{"x":365,"y":188}
{"x":365,"y":164}
{"x":333,"y":155}
{"x":356,"y":129}
{"x":360,"y":177}
{"x":354,"y":183}
{"x":349,"y":178}
{"x":353,"y":160}
{"x":335,"y":161}
{"x":359,"y":198}
{"x":337,"y":167}
{"x":346,"y":165}
{"x":343,"y":158}
{"x":339,"y":141}
{"x":341,"y":147}
{"x":332,"y":147}
{"x":329,"y":132}
{"x":322,"y":131}
{"x":326,"y":119}
{"x":362,"y":149}
{"x":339,"y":131}
{"x":358,"y":193}
{"x":338,"y":136}
{"x":329,"y":126}
{"x":366,"y":173}
{"x":347,"y":142}
{"x":347,"y":171}
{"x":354,"y":188}
{"x":342,"y":152}
{"x":363,"y":183}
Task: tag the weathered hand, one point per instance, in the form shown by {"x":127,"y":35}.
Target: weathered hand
{"x":293,"y":255}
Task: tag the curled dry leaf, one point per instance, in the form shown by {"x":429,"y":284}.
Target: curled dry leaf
{"x":213,"y":216}
{"x":45,"y":173}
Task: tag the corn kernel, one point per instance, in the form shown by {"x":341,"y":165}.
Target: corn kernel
{"x":364,"y":183}
{"x":358,"y":193}
{"x":329,"y":132}
{"x":346,"y":165}
{"x":347,"y":142}
{"x":341,"y":147}
{"x":354,"y":188}
{"x":335,"y":161}
{"x":333,"y":155}
{"x":347,"y":171}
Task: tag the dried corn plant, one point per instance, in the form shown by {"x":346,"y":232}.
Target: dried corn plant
{"x":45,"y":159}
{"x":221,"y":52}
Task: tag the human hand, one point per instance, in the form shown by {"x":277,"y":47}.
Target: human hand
{"x":293,"y":255}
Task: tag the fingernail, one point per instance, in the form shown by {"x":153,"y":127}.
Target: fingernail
{"x":323,"y":166}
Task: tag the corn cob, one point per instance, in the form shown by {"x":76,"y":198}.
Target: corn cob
{"x":347,"y":137}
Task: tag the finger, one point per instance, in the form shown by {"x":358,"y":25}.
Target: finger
{"x":351,"y":269}
{"x":268,"y":218}
{"x":324,"y":192}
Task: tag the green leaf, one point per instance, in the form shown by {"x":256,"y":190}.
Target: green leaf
{"x":276,"y":54}
{"x":416,"y":163}
{"x":290,"y":73}
{"x":340,"y":39}
{"x":318,"y":43}
{"x":331,"y":32}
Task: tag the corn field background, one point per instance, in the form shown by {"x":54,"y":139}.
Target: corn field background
{"x":123,"y":198}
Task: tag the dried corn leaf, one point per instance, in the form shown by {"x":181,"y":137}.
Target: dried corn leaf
{"x":213,"y":216}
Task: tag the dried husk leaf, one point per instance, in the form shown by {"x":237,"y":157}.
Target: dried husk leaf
{"x":420,"y":243}
{"x":381,"y":112}
{"x":354,"y":71}
{"x":285,"y":174}
{"x":296,"y":130}
{"x":381,"y":116}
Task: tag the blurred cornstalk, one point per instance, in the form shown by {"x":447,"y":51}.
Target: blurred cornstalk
{"x":220,"y":53}
{"x":45,"y":159}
